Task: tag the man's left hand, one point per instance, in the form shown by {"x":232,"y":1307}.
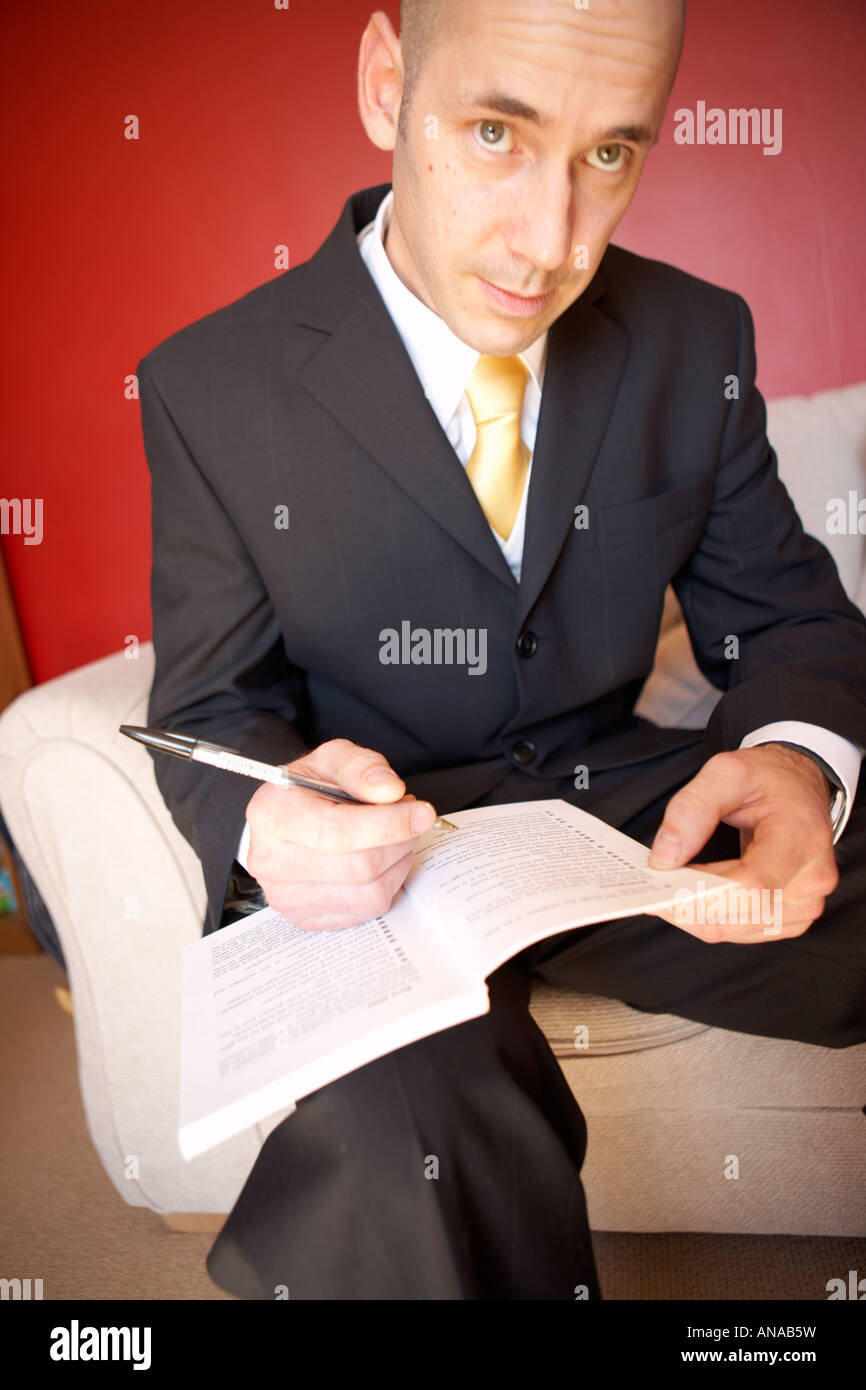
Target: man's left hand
{"x":779,"y":801}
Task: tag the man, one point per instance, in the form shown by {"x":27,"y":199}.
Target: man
{"x":464,"y":372}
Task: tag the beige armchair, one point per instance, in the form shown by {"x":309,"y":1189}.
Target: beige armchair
{"x":669,"y":1103}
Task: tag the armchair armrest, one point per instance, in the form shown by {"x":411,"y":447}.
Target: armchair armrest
{"x":126,"y":894}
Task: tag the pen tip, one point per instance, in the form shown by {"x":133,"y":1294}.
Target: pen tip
{"x":160,"y":739}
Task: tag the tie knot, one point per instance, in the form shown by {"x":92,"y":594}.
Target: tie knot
{"x":496,"y":387}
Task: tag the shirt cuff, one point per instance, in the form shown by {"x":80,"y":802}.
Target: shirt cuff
{"x":243,"y":848}
{"x":842,"y":756}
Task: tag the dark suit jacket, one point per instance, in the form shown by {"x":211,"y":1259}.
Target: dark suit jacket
{"x":301,"y":395}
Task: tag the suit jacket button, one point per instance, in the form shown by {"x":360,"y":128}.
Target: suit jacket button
{"x":524,"y":751}
{"x":527,"y":644}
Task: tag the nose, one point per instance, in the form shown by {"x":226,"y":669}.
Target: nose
{"x":542,"y":232}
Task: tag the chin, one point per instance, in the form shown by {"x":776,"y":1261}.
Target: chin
{"x":488,"y":334}
{"x":494,"y":343}
{"x":505,"y":340}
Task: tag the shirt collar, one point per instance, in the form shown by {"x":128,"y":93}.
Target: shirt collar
{"x":443,"y":362}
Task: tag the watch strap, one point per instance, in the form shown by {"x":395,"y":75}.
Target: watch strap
{"x":837,"y":799}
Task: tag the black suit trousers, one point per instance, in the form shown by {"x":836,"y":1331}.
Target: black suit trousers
{"x":450,"y":1169}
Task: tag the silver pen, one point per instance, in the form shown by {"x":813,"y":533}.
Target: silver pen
{"x":232,"y":760}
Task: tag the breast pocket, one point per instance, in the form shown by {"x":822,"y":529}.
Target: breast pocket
{"x":630,"y":523}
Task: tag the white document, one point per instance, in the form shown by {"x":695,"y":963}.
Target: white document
{"x":272,"y":1013}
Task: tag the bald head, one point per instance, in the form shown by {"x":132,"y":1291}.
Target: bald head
{"x":424,"y":22}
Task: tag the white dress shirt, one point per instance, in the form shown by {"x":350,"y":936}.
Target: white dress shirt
{"x":444,"y":364}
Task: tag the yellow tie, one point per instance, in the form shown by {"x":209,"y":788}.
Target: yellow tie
{"x":498,"y":463}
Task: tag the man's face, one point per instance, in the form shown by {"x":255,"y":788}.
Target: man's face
{"x":523,"y":143}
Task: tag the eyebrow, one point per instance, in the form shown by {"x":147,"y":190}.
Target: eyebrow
{"x":512,"y":106}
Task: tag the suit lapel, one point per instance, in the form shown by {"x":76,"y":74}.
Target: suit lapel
{"x":586,"y":353}
{"x":363,"y":376}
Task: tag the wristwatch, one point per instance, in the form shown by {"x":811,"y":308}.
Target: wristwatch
{"x":837,"y":791}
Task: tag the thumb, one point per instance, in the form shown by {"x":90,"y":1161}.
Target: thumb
{"x":693,"y":813}
{"x":362,"y":772}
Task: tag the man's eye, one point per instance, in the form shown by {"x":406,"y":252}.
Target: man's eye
{"x":495,"y":135}
{"x":609,"y":156}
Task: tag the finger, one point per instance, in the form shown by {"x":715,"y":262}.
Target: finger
{"x":331,"y":828}
{"x":332,"y":907}
{"x":693,"y":812}
{"x":729,"y":930}
{"x":360,"y":771}
{"x":702,"y":915}
{"x":281,"y":864}
{"x":736,"y":915}
{"x":746,"y":912}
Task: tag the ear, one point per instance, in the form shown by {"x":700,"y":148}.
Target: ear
{"x":380,"y":81}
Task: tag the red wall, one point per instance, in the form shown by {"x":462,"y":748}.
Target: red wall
{"x":249,"y":138}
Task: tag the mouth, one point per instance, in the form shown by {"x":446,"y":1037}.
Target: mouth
{"x":525,"y":306}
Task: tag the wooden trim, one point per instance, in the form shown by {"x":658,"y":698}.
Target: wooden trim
{"x":204,"y":1223}
{"x":16,"y":939}
{"x":14,"y":670}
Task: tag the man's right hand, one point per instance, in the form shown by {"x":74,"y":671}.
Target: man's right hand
{"x":326,"y":864}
